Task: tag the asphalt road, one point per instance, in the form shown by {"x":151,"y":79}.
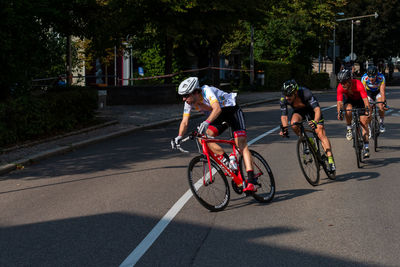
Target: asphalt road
{"x":94,"y":206}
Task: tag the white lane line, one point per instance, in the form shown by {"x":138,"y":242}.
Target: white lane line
{"x":146,"y":243}
{"x":328,"y":107}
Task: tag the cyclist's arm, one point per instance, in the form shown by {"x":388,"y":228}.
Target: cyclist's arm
{"x":382,"y":90}
{"x":284,"y":121}
{"x":317,"y":112}
{"x":339,"y":106}
{"x":184,"y":125}
{"x":216,"y":111}
{"x":366,"y":103}
{"x":339,"y":98}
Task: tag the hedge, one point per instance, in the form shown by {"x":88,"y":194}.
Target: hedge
{"x":31,"y":116}
{"x":275,"y":73}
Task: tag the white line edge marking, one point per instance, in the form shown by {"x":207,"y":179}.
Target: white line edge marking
{"x":146,"y":243}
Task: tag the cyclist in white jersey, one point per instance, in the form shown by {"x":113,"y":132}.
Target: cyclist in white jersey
{"x":220,"y":108}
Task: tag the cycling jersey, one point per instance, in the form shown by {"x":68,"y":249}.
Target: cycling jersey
{"x":357,"y":91}
{"x":307,"y":98}
{"x":380,"y":79}
{"x":210,"y":95}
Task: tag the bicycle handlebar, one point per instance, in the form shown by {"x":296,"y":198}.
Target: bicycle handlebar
{"x":191,"y":136}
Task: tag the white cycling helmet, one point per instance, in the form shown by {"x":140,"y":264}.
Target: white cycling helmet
{"x":188,"y":85}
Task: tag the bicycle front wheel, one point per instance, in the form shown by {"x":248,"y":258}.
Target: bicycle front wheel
{"x":358,"y":144}
{"x":308,"y":161}
{"x":375,"y":132}
{"x":209,"y":187}
{"x":265,"y":178}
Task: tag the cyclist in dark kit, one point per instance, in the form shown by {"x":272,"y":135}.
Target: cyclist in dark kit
{"x":304,"y":103}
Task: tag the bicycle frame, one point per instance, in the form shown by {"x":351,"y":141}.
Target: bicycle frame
{"x":374,"y":124}
{"x":237,"y":178}
{"x":303,"y":132}
{"x":357,"y":133}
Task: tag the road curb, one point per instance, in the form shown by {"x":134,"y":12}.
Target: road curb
{"x":64,"y":149}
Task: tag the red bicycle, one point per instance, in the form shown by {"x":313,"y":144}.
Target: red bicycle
{"x":207,"y":174}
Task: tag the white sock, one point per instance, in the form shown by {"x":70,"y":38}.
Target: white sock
{"x":348,"y":127}
{"x":381,"y":120}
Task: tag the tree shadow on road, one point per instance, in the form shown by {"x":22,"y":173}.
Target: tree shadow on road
{"x":107,"y":239}
{"x":359,"y":176}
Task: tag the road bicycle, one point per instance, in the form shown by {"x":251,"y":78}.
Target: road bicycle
{"x":207,"y":174}
{"x":358,"y":141}
{"x":374,"y":123}
{"x":310,"y":154}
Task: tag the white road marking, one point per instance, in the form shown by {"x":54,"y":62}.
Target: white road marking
{"x":146,"y":243}
{"x":396,"y":114}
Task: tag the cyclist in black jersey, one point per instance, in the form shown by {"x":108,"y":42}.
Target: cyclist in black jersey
{"x":304,"y":103}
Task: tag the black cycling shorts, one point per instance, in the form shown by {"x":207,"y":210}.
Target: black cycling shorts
{"x":359,"y":103}
{"x":373,"y":95}
{"x":230,"y":116}
{"x":306,"y":112}
{"x":355,"y":103}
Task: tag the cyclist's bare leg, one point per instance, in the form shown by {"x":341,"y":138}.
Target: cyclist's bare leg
{"x":365,"y":130}
{"x":326,"y":144}
{"x":348,"y":114}
{"x":217,"y":149}
{"x":296,"y":118}
{"x":381,"y":108}
{"x":241,"y":142}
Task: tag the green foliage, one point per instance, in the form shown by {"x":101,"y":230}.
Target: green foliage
{"x":31,"y":116}
{"x":32,"y":40}
{"x":316,"y":81}
{"x":276,"y":72}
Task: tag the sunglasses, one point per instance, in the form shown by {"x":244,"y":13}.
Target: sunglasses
{"x":372,"y":77}
{"x":186,"y":96}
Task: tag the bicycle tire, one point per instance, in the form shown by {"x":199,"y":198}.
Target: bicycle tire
{"x":356,"y":144}
{"x":307,"y":161}
{"x":213,"y":196}
{"x":375,"y":132}
{"x":266,"y":182}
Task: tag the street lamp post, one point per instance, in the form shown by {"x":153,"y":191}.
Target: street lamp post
{"x":352,"y":26}
{"x":333,"y":76}
{"x":352,"y":38}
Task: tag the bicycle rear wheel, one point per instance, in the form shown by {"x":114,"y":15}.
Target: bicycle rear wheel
{"x":212,"y":191}
{"x":308,"y":160}
{"x":325,"y":163}
{"x":262,"y":171}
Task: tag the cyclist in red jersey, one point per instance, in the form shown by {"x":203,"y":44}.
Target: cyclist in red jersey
{"x":351,"y":94}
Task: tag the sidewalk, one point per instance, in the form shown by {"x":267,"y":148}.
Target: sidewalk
{"x":121,"y":120}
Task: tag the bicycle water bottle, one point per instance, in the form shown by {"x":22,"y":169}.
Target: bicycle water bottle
{"x":233,"y":162}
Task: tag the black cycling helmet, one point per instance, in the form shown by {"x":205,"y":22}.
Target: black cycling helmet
{"x":289,"y":87}
{"x":344,"y":75}
{"x":372,"y":71}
